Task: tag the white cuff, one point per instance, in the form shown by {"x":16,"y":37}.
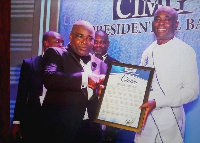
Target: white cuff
{"x":16,"y":122}
{"x":84,"y":80}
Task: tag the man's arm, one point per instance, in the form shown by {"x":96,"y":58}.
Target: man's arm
{"x":54,"y":78}
{"x":188,"y":89}
{"x":22,"y":95}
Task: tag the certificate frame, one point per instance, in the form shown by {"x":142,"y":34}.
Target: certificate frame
{"x":112,"y":117}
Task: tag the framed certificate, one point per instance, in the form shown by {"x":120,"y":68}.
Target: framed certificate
{"x":127,"y":87}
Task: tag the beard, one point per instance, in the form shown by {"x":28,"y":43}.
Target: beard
{"x":99,"y":51}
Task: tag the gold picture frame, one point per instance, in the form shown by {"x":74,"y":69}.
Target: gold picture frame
{"x":126,"y":88}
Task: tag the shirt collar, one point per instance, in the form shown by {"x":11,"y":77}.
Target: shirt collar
{"x":104,"y":56}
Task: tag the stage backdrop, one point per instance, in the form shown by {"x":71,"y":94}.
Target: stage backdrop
{"x":129,"y":25}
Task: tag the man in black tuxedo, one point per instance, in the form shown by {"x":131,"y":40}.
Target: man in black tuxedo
{"x":101,"y":44}
{"x":72,"y":77}
{"x":27,"y":113}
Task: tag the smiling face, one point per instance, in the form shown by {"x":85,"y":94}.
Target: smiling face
{"x":164,"y":24}
{"x":82,"y":38}
{"x":101,"y":43}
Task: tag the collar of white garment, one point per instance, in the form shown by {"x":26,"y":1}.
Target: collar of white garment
{"x":104,"y":56}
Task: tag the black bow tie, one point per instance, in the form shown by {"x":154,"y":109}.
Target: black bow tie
{"x":85,"y":59}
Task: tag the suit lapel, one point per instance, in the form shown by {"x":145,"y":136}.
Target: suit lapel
{"x":74,"y":57}
{"x":95,"y":65}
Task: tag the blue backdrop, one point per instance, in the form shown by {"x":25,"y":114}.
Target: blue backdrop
{"x":128,"y":24}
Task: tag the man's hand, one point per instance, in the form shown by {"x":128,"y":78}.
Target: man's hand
{"x":16,"y":133}
{"x":100,"y":89}
{"x":149,"y":106}
{"x":96,"y":82}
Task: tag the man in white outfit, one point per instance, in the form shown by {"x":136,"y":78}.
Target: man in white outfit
{"x":175,"y":81}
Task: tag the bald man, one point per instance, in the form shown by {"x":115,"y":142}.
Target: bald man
{"x":101,"y":45}
{"x":175,"y":81}
{"x":72,"y":77}
{"x":27,"y":117}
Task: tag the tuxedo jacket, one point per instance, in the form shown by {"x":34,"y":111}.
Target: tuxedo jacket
{"x":109,"y":59}
{"x":65,"y":102}
{"x":27,"y":107}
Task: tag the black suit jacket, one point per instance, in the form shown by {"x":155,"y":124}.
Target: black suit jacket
{"x":65,"y":102}
{"x":28,"y":107}
{"x":109,"y":59}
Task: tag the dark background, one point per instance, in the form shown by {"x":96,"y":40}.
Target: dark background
{"x":4,"y":70}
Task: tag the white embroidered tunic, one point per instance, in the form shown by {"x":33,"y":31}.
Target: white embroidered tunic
{"x":175,"y":82}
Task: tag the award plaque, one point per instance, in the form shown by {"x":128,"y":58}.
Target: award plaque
{"x":127,"y":87}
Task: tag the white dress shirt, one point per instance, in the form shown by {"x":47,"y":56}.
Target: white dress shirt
{"x":87,"y":70}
